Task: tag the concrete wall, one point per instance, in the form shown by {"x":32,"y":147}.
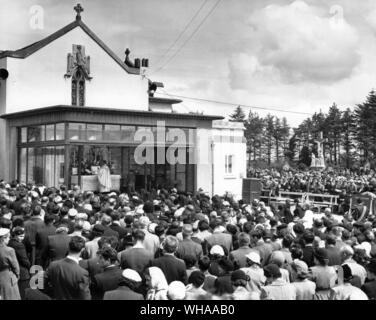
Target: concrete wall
{"x":229,"y":140}
{"x":38,"y":80}
{"x":204,"y":159}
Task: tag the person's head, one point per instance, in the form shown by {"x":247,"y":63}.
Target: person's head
{"x":190,"y":261}
{"x":244,"y":239}
{"x":204,"y":263}
{"x":176,"y":291}
{"x":170,"y":244}
{"x":287,"y":241}
{"x":155,"y":279}
{"x":331,"y":240}
{"x":278,"y":258}
{"x":110,"y":241}
{"x":216,"y":252}
{"x":138,"y":235}
{"x":106,"y":220}
{"x":253,"y":258}
{"x":308,"y":237}
{"x":107,"y":256}
{"x":37,"y":211}
{"x":197,"y":279}
{"x":187,"y":231}
{"x":239,"y":279}
{"x":321,"y":257}
{"x":131,"y":279}
{"x":4,"y":236}
{"x":346,"y":252}
{"x":98,"y":230}
{"x":300,"y":268}
{"x":298,"y":229}
{"x":18,"y":233}
{"x":76,"y":245}
{"x":272,"y":272}
{"x":296,"y":252}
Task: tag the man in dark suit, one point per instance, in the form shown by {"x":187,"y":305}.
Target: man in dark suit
{"x":130,"y":281}
{"x":57,"y":245}
{"x":333,"y":251}
{"x":110,"y":277}
{"x":308,"y":256}
{"x":220,"y":237}
{"x":137,"y":257}
{"x":239,"y":256}
{"x":188,"y":247}
{"x":41,"y":239}
{"x":115,"y":225}
{"x":93,"y":265}
{"x":173,"y":268}
{"x":66,"y":278}
{"x":32,"y":226}
{"x":108,"y":232}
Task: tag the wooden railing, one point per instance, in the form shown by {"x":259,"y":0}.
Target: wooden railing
{"x":326,"y":200}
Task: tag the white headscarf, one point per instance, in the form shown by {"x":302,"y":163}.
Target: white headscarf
{"x":159,"y":285}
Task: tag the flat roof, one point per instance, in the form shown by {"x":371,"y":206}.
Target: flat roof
{"x":113,"y":111}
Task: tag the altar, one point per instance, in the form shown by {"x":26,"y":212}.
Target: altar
{"x":90,"y":182}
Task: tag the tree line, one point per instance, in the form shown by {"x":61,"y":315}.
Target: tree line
{"x":349,"y":136}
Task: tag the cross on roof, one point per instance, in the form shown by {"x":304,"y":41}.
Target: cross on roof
{"x":78,"y":9}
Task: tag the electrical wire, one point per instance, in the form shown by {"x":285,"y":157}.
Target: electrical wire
{"x":189,"y":38}
{"x":235,"y":104}
{"x":182,"y":32}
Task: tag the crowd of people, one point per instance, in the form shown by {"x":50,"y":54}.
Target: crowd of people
{"x":328,"y":181}
{"x":172,"y":245}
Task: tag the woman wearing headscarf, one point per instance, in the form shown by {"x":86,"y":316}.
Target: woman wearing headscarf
{"x":157,"y":284}
{"x":9,"y":269}
{"x":16,"y":242}
{"x":323,"y":275}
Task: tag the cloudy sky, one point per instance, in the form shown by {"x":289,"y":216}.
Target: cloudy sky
{"x":288,"y":55}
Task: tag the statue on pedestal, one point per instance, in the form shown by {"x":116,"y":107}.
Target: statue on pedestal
{"x":319,"y":162}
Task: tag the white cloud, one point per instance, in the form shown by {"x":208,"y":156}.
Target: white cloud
{"x":299,"y":44}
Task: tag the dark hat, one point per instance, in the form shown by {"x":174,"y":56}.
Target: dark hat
{"x":321,"y":254}
{"x":226,"y":264}
{"x":272,"y":270}
{"x":239,"y":275}
{"x":98,"y":228}
{"x":347,"y":273}
{"x":17,"y":231}
{"x":197,"y":278}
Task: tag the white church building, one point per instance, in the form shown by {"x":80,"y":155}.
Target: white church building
{"x":59,"y":133}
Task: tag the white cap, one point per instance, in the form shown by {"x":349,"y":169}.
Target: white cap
{"x":217,"y":250}
{"x":179,"y":212}
{"x":131,"y":275}
{"x":140,"y":210}
{"x":82,"y":216}
{"x":88,"y":206}
{"x":4,"y":231}
{"x":72,"y":212}
{"x":176,"y":290}
{"x":226,"y":203}
{"x":254,"y":257}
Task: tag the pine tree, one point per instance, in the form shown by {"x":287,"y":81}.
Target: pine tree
{"x":365,"y":116}
{"x":238,"y":115}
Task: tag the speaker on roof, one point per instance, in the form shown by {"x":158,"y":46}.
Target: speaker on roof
{"x":4,"y":74}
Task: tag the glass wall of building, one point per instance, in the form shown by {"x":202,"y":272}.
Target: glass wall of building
{"x":64,"y":153}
